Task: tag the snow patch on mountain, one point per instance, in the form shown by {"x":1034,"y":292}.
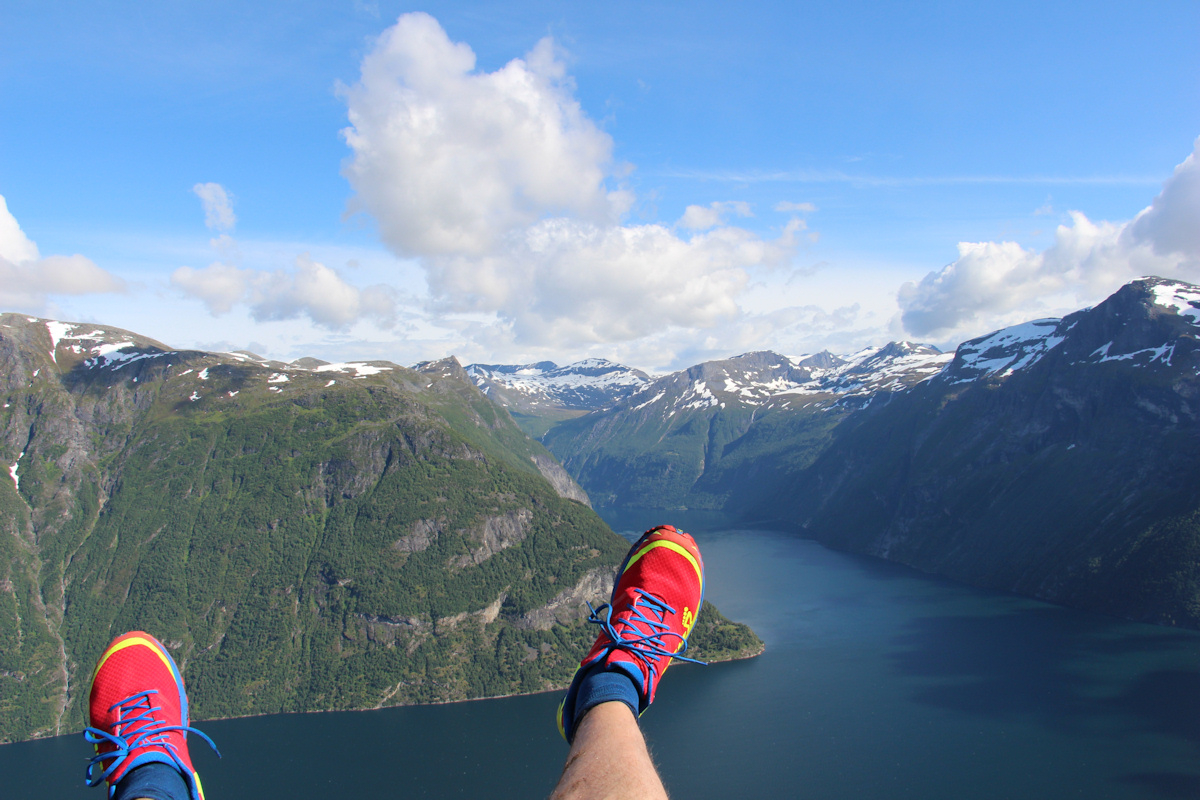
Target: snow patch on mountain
{"x":1005,"y":351}
{"x":100,"y":348}
{"x":587,"y":384}
{"x":1152,"y":354}
{"x":697,"y":396}
{"x":649,"y":402}
{"x":12,"y":471}
{"x":1182,"y":298}
{"x":361,"y":369}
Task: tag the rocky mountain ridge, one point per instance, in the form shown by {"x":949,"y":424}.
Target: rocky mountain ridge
{"x":762,"y":378}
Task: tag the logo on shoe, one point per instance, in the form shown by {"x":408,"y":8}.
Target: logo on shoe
{"x":689,"y":619}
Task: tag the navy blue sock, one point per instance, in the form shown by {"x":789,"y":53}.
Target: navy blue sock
{"x":600,"y":686}
{"x":156,"y":780}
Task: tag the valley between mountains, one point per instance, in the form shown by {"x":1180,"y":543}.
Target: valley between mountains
{"x":312,"y":536}
{"x":1058,"y":459}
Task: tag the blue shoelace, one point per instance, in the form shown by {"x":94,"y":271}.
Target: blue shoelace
{"x":138,"y":729}
{"x":649,"y":614}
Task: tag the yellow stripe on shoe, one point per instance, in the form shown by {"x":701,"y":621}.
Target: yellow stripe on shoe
{"x":111,"y":651}
{"x":678,"y":548}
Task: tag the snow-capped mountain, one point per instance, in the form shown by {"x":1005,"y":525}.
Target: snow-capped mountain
{"x":1058,"y":459}
{"x":673,"y":441}
{"x":752,"y":379}
{"x":95,"y":350}
{"x":1085,"y":338}
{"x":768,"y":380}
{"x":584,"y":385}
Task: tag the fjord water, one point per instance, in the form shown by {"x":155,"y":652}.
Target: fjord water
{"x":878,"y":682}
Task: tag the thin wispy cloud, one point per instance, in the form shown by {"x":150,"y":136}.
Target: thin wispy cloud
{"x":835,"y":176}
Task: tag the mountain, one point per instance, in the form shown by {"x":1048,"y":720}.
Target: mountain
{"x":582,"y":386}
{"x":542,"y":394}
{"x":302,"y":536}
{"x":721,"y":434}
{"x":1058,"y":459}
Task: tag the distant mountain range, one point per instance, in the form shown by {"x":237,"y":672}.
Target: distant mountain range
{"x":751,"y":379}
{"x":1059,"y":458}
{"x":301,"y":536}
{"x":698,"y":437}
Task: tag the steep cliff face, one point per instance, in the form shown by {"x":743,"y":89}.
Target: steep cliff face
{"x":1059,"y":459}
{"x":301,"y":538}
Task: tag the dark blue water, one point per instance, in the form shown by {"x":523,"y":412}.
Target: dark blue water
{"x":877,"y":683}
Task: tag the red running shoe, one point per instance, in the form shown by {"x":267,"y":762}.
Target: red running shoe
{"x":138,"y":713}
{"x":655,"y":601}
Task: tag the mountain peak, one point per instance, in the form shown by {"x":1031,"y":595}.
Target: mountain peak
{"x":1175,"y":296}
{"x":821,"y":360}
{"x":1150,"y":322}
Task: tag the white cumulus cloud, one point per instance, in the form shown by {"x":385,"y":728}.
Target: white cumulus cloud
{"x":1171,"y":225}
{"x":310,"y":289}
{"x":318,"y":292}
{"x":27,"y":279}
{"x":700,"y":218}
{"x":15,"y":246}
{"x":505,"y":191}
{"x":993,"y":284}
{"x":219,"y":286}
{"x":449,"y":160}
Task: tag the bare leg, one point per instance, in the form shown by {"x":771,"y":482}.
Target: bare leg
{"x":609,"y":759}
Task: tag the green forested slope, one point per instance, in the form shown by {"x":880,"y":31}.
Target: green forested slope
{"x":299,"y":540}
{"x":730,"y":459}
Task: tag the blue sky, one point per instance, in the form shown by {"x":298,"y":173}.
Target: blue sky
{"x":658,"y":183}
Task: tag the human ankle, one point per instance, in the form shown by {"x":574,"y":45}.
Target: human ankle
{"x":153,"y":781}
{"x":605,"y":686}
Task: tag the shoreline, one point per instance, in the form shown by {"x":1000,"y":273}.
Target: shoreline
{"x":758,"y":652}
